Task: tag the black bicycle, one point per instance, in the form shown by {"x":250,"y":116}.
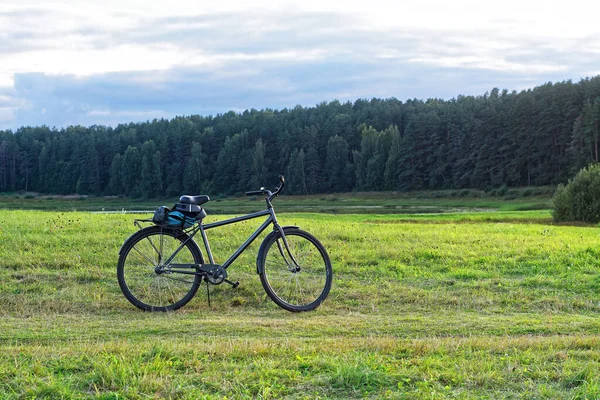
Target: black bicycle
{"x":161,"y":267}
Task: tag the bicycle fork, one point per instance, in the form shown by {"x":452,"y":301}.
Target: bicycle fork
{"x":295,"y":267}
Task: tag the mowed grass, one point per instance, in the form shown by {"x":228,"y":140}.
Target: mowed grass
{"x":463,"y":305}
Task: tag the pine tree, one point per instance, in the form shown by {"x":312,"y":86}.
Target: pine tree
{"x":338,"y":166}
{"x":295,"y":173}
{"x":195,"y":172}
{"x":259,"y":168}
{"x":115,"y":185}
{"x":149,"y":176}
{"x":390,"y":175}
{"x":131,"y":171}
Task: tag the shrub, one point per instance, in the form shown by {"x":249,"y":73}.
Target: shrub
{"x":561,"y":203}
{"x":527,"y":192}
{"x":464,"y":193}
{"x":579,"y":200}
{"x":543,"y":191}
{"x":501,"y":190}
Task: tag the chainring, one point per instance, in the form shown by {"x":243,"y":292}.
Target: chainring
{"x":214,"y":273}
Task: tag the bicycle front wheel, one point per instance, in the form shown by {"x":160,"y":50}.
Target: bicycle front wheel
{"x":144,"y":278}
{"x":295,"y":286}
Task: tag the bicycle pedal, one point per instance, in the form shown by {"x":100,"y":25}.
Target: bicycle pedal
{"x":233,"y":284}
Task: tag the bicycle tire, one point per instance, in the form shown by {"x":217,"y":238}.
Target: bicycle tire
{"x":295,"y":291}
{"x":136,"y":269}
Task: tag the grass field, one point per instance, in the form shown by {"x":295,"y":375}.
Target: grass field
{"x":498,"y":304}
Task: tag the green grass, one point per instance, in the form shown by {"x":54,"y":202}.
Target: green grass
{"x":463,"y":305}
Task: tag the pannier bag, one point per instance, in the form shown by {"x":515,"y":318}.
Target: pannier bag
{"x":180,"y":220}
{"x":181,"y":216}
{"x":161,"y":215}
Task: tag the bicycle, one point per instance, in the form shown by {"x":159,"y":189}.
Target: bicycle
{"x":161,"y":267}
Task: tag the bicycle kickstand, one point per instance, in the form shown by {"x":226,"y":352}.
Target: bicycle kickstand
{"x":208,"y":293}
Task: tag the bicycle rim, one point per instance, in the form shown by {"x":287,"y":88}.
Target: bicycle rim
{"x":153,"y":291}
{"x":292,"y":289}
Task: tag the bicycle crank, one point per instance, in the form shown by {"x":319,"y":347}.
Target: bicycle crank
{"x":214,"y":273}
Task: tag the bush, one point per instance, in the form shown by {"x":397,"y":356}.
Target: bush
{"x":501,"y":191}
{"x":527,"y":192}
{"x":543,"y":191}
{"x":561,"y":204}
{"x":579,"y":200}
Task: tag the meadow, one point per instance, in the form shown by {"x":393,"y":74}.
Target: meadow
{"x":493,"y":304}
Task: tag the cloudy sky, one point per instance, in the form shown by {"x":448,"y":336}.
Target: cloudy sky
{"x":105,"y":62}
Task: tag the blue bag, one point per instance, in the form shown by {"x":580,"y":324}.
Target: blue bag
{"x":177,"y":219}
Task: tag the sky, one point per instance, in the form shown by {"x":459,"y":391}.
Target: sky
{"x":109,"y":62}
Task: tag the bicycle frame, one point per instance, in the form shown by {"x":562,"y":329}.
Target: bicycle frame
{"x":202,"y":228}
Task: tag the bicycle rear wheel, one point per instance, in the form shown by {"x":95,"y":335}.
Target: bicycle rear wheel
{"x":149,"y":288}
{"x":295,"y":288}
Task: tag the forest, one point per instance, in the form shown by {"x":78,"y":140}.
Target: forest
{"x":539,"y":136}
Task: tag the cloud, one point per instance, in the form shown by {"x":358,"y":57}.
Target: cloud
{"x":124,"y":97}
{"x":86,"y":63}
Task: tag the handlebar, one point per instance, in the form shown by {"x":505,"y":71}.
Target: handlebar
{"x":268,"y":192}
{"x":256,"y":192}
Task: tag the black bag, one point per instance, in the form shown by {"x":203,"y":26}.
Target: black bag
{"x":161,"y":215}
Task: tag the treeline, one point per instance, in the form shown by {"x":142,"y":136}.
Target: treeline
{"x":539,"y":136}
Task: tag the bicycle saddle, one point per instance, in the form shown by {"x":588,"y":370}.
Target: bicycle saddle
{"x":194,"y":199}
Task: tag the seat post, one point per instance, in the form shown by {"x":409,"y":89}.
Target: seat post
{"x":206,"y":244}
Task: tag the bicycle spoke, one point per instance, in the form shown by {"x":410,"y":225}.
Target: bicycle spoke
{"x":154,"y":247}
{"x":150,"y":289}
{"x":295,"y":287}
{"x":145,"y":256}
{"x":177,"y":279}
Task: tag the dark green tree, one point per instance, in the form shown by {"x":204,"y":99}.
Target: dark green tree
{"x":195,"y":174}
{"x":338,"y":166}
{"x":295,"y":173}
{"x":115,"y":185}
{"x":259,"y":165}
{"x":131,"y":171}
